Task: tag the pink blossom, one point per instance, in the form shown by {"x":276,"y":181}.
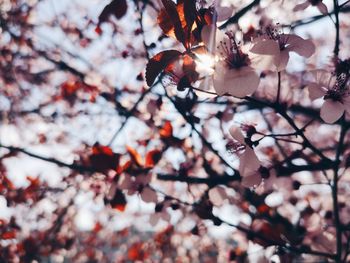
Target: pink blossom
{"x":134,"y":184}
{"x":218,"y":195}
{"x":318,"y":3}
{"x":278,"y":45}
{"x":335,"y":93}
{"x":233,"y":73}
{"x":249,"y":162}
{"x":223,"y":12}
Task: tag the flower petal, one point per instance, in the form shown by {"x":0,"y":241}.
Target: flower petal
{"x":346,"y":103}
{"x":237,"y":134}
{"x":303,"y":47}
{"x":262,"y":62}
{"x":249,"y":162}
{"x":236,"y":82}
{"x":331,"y":111}
{"x":206,"y":83}
{"x":301,"y":6}
{"x":224,"y":12}
{"x":282,"y":61}
{"x":322,"y":8}
{"x":251,"y":179}
{"x":148,"y":195}
{"x":315,"y":91}
{"x":222,"y":42}
{"x":324,"y":78}
{"x":208,"y":35}
{"x":266,"y":47}
{"x":217,"y":195}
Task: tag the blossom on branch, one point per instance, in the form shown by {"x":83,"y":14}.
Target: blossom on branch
{"x":233,"y":72}
{"x":317,"y":3}
{"x":248,"y":161}
{"x":278,"y":45}
{"x":139,"y":184}
{"x":335,"y":93}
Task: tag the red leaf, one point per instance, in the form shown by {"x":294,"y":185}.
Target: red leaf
{"x":69,"y":90}
{"x":97,"y":228}
{"x":164,"y":237}
{"x":103,"y":158}
{"x":273,"y":233}
{"x":118,"y":201}
{"x":124,"y":167}
{"x":98,"y":30}
{"x":158,"y":63}
{"x":100,"y":149}
{"x":135,"y":156}
{"x":8,"y":235}
{"x":152,"y":158}
{"x":137,"y":252}
{"x":117,"y":8}
{"x":166,"y":131}
{"x":173,"y":13}
{"x":190,"y":13}
{"x":263,"y":209}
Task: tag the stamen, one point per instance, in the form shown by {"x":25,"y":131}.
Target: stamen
{"x":235,"y":147}
{"x":274,"y":34}
{"x":232,"y":53}
{"x":340,"y":90}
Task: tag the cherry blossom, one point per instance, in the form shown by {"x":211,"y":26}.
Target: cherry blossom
{"x":222,"y":10}
{"x":161,"y":213}
{"x":335,"y":93}
{"x":139,"y":184}
{"x":218,"y":195}
{"x":249,"y":162}
{"x":278,"y":45}
{"x":317,"y":3}
{"x":233,"y":73}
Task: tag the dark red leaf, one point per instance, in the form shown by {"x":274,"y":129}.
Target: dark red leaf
{"x":204,"y":209}
{"x":8,"y":235}
{"x":152,"y":158}
{"x":135,"y":156}
{"x":118,"y":201}
{"x":190,"y":12}
{"x":183,"y":83}
{"x":165,"y":23}
{"x":117,"y":8}
{"x":158,"y":63}
{"x":173,"y":13}
{"x":103,"y":158}
{"x":167,"y":130}
{"x":137,"y":252}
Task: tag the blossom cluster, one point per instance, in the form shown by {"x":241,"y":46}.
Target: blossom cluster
{"x":231,"y":63}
